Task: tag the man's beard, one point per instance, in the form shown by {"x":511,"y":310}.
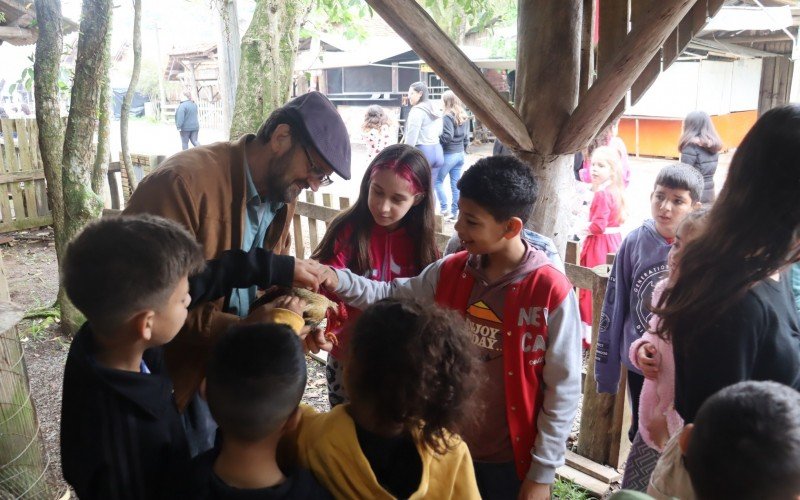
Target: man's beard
{"x":280,"y":185}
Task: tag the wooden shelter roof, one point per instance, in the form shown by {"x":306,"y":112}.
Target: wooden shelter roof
{"x":19,"y":27}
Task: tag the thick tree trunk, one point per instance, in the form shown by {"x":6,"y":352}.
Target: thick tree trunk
{"x":126,"y":102}
{"x":548,"y":58}
{"x":101,"y":159}
{"x":48,"y":112}
{"x":551,"y":214}
{"x":229,"y":51}
{"x":81,"y":204}
{"x":268,"y":52}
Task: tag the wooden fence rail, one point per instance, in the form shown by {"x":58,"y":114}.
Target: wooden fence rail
{"x":603,"y":416}
{"x":311,"y":220}
{"x":23,"y":193}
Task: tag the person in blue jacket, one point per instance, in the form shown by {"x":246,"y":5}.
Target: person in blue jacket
{"x":187,"y":121}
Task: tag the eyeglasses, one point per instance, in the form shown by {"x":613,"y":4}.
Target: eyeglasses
{"x":317,"y":172}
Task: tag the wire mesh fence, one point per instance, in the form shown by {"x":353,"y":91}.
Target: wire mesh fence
{"x":23,"y":459}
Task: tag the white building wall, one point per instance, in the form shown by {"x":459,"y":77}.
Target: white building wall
{"x":717,"y":87}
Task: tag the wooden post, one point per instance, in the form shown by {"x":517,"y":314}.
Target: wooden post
{"x":548,"y":63}
{"x":23,"y":459}
{"x":596,"y":436}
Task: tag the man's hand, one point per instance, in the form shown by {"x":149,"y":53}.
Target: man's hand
{"x":531,"y":490}
{"x":648,"y":360}
{"x":262,"y":314}
{"x":308,"y":274}
{"x":330,"y":280}
{"x":289,"y":302}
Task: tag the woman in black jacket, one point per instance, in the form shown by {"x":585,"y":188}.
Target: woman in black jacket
{"x":454,"y":140}
{"x":700,"y":146}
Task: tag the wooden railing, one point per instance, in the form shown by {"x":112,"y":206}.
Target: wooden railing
{"x":23,"y":193}
{"x":603,"y":416}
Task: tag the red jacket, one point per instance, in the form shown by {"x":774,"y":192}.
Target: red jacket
{"x":392,"y":256}
{"x":525,"y":341}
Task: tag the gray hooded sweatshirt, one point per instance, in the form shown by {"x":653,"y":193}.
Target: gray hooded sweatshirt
{"x":562,"y":369}
{"x":423,"y":126}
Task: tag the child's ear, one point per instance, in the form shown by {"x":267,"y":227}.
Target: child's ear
{"x":514,"y":226}
{"x":292,"y":422}
{"x":418,"y":199}
{"x":697,"y":205}
{"x":143,"y":324}
{"x":685,"y":438}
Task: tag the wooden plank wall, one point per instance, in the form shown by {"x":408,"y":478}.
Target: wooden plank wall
{"x":23,"y":193}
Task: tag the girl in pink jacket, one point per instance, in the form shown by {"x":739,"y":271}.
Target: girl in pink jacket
{"x":388,"y":233}
{"x":658,"y":419}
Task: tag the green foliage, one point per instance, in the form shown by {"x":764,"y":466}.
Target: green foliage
{"x":65,"y":75}
{"x":455,"y":17}
{"x":41,"y":318}
{"x":564,"y":489}
{"x":2,"y":17}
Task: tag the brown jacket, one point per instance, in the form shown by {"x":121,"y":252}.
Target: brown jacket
{"x":203,"y":188}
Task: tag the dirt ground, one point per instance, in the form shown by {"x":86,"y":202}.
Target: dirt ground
{"x":32,"y":271}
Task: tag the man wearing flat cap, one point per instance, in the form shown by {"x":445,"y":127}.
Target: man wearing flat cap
{"x":241,"y":195}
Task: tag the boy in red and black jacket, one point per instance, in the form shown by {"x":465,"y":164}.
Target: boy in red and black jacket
{"x":525,"y":324}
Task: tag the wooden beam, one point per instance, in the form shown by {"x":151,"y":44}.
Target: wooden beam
{"x":17,"y":33}
{"x":416,"y":27}
{"x":613,"y":30}
{"x":548,"y":66}
{"x":588,"y":66}
{"x":638,"y":11}
{"x":601,"y":99}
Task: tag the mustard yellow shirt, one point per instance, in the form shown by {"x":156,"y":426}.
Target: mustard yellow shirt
{"x":328,"y":446}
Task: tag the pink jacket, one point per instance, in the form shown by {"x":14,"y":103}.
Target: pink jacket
{"x":658,"y":396}
{"x":392,"y":256}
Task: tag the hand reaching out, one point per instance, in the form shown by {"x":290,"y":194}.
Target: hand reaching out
{"x":330,"y":280}
{"x":308,"y":274}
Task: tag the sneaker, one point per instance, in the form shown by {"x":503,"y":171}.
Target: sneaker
{"x":452,"y":217}
{"x":445,"y":214}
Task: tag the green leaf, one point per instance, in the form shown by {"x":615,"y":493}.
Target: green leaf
{"x":12,"y":88}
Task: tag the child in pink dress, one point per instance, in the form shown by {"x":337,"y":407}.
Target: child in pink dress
{"x":606,"y":214}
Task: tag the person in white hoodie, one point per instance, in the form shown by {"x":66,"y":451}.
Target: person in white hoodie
{"x":424,"y":126}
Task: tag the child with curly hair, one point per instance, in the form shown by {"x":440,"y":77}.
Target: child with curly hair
{"x":411,"y":374}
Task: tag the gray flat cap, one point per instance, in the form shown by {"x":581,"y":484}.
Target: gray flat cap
{"x":325,"y":128}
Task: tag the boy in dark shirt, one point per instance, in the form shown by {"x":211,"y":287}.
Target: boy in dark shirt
{"x":121,"y":436}
{"x":254,"y":382}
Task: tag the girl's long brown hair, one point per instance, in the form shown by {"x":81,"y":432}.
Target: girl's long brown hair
{"x":453,"y":106}
{"x":751,"y":232}
{"x":699,"y":129}
{"x":418,"y":222}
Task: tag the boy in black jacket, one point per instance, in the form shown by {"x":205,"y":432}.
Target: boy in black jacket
{"x":121,"y":435}
{"x":254,"y":381}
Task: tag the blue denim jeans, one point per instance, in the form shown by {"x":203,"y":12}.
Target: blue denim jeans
{"x":453,"y":164}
